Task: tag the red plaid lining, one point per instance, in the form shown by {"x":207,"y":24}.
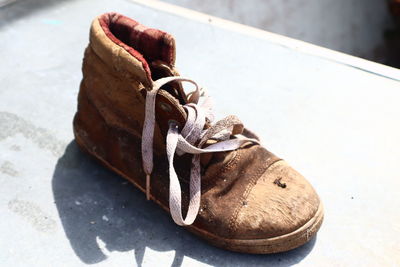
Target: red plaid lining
{"x":144,"y":43}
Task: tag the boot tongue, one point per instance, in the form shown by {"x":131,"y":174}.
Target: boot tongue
{"x":152,"y":44}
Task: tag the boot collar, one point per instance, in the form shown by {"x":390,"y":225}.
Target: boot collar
{"x":130,"y":46}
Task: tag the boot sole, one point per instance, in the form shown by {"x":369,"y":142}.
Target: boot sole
{"x":254,"y":246}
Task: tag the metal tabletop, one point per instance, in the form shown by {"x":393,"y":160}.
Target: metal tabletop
{"x":333,"y":117}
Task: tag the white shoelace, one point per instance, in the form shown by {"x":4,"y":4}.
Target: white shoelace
{"x":189,"y":140}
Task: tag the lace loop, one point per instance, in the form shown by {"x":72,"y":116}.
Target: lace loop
{"x":190,"y":140}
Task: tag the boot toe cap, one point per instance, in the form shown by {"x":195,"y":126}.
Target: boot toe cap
{"x":281,"y":202}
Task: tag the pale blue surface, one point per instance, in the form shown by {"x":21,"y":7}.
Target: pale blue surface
{"x":336,"y":124}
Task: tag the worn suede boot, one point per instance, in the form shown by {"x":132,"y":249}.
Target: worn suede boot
{"x":135,"y":117}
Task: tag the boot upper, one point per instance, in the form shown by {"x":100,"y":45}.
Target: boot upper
{"x":248,"y":193}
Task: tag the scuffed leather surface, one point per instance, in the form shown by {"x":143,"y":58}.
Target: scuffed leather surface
{"x":239,"y":197}
{"x":271,"y":210}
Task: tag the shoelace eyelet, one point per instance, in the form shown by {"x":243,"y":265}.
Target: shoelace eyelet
{"x":173,"y":123}
{"x":165,"y":107}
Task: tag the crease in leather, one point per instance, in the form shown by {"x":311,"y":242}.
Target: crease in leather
{"x":232,"y":221}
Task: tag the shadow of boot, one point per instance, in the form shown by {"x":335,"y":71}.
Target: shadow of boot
{"x":103,"y":214}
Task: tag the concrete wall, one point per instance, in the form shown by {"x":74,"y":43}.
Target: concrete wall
{"x":351,"y":26}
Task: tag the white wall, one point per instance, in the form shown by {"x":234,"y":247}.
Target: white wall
{"x":351,"y":26}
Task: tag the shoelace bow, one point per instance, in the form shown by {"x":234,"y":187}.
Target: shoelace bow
{"x":190,"y":140}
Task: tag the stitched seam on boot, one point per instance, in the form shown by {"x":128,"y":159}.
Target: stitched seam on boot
{"x":232,"y":221}
{"x":115,"y":66}
{"x":223,"y":169}
{"x":132,"y":77}
{"x":228,"y":166}
{"x":253,"y":181}
{"x":109,"y":124}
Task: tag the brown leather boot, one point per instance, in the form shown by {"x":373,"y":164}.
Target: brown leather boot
{"x":134,"y":116}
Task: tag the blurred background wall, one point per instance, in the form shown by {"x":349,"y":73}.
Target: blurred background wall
{"x":356,"y":27}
